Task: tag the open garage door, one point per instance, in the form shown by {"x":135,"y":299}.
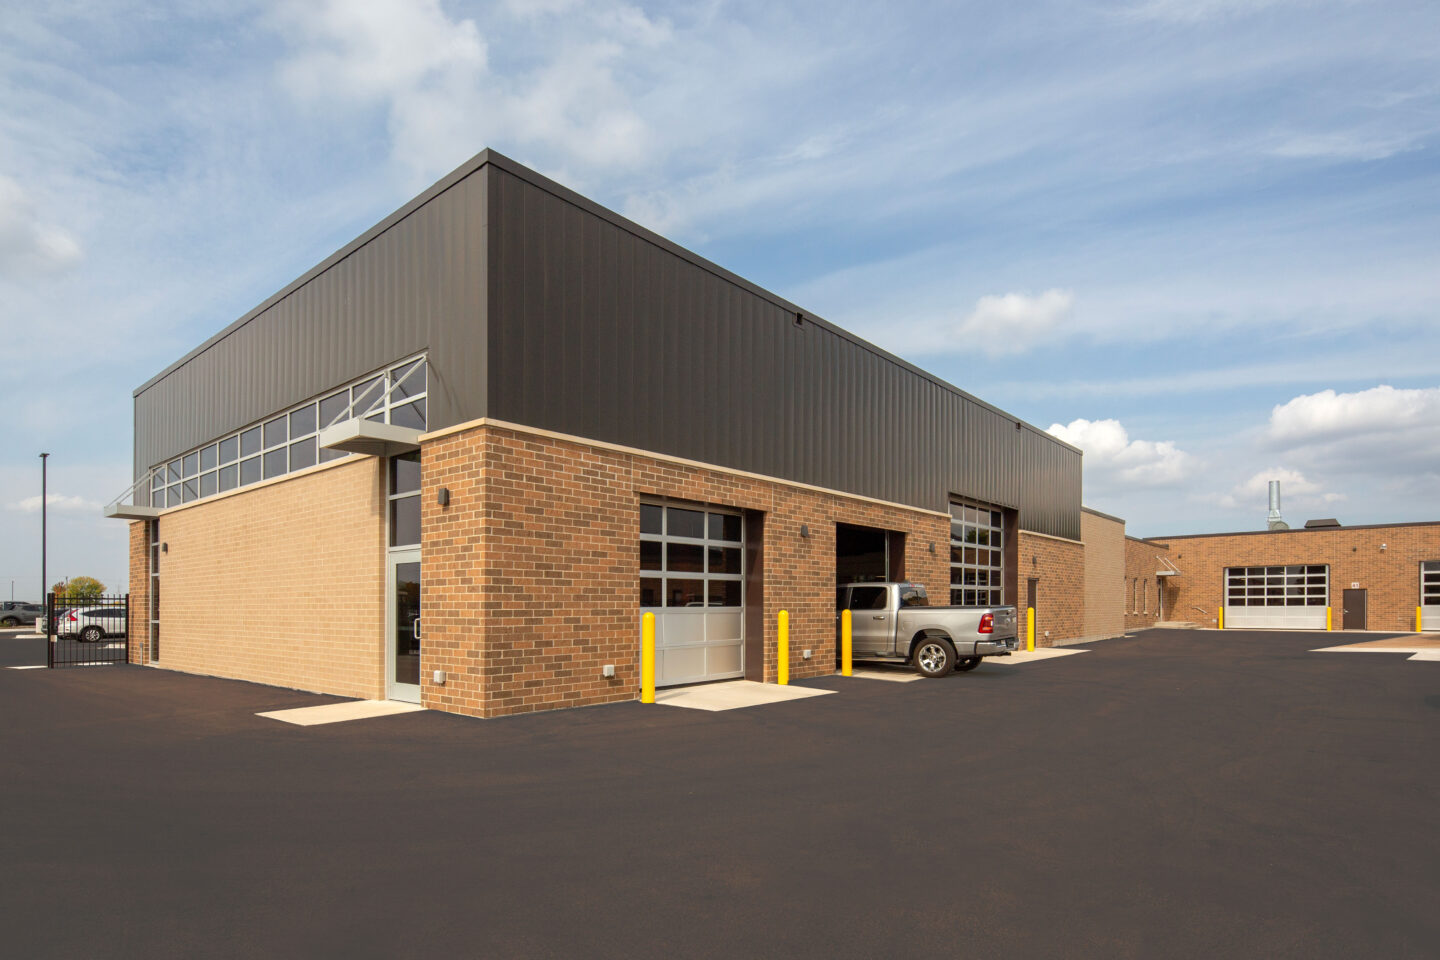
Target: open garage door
{"x":1280,"y":598}
{"x":692,"y":579}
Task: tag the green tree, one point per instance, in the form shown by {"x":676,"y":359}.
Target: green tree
{"x":79,"y":588}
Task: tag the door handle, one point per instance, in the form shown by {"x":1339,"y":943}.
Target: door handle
{"x":415,"y":628}
{"x":878,"y":616}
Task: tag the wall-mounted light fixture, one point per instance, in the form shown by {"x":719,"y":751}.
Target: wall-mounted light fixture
{"x":1384,"y":546}
{"x":443,"y":497}
{"x":804,"y":532}
{"x":932,"y":547}
{"x":799,"y":319}
{"x":164,"y":548}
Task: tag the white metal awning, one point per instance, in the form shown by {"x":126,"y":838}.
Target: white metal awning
{"x":370,"y":437}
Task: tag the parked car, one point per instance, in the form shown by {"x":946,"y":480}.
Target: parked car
{"x":894,"y":622}
{"x":14,"y":613}
{"x":91,"y":623}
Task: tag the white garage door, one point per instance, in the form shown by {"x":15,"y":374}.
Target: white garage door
{"x":692,"y":578}
{"x":1430,"y":595}
{"x":1288,"y":598}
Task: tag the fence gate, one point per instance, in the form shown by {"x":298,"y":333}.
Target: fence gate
{"x":86,"y":632}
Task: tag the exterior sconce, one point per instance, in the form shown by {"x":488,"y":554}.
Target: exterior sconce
{"x":804,"y":532}
{"x":932,"y":547}
{"x":443,"y":497}
{"x":1384,"y":547}
{"x":164,"y":548}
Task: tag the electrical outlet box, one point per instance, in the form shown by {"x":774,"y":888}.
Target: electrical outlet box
{"x":805,"y":655}
{"x":440,"y":677}
{"x":608,"y":670}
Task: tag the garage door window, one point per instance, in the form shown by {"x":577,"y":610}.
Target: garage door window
{"x":1430,"y":595}
{"x":690,"y":557}
{"x":1290,"y":586}
{"x":977,"y":550}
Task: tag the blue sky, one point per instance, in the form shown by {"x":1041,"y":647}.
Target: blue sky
{"x":1201,"y":239}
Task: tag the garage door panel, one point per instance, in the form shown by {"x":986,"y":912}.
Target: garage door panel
{"x":690,"y":573}
{"x":723,"y":660}
{"x":1275,"y":618}
{"x":681,"y":628}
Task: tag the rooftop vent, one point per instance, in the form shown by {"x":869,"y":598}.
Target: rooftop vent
{"x":1274,"y":522}
{"x":1321,"y":524}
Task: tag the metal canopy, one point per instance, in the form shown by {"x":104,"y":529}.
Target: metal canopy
{"x":370,"y":437}
{"x":131,"y":511}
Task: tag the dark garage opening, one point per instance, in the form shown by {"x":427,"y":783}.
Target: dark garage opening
{"x":868,"y":554}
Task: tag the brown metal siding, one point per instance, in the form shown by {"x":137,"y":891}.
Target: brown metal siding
{"x":417,"y":284}
{"x":602,"y":332}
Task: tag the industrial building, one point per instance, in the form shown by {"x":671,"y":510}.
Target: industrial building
{"x":457,"y":460}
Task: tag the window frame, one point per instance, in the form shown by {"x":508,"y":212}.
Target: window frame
{"x":705,"y":542}
{"x":986,"y":584}
{"x":180,"y":479}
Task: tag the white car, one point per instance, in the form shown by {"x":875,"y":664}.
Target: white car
{"x":91,"y":624}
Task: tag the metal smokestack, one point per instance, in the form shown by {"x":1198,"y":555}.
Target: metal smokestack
{"x":1273,"y":521}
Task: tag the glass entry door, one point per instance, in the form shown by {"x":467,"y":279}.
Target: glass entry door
{"x":402,"y":653}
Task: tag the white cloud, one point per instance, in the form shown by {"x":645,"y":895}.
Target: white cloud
{"x":59,"y":503}
{"x":1327,"y":416}
{"x":1112,"y":459}
{"x":433,"y":75}
{"x":1015,"y":322}
{"x":27,"y":242}
{"x":1254,"y":493}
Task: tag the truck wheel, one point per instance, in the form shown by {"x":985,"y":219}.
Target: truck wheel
{"x":934,"y":657}
{"x":968,"y":663}
{"x":10,"y":622}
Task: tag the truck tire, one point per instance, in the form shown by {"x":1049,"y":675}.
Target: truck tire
{"x":968,"y":663}
{"x":10,"y":622}
{"x":934,"y":657}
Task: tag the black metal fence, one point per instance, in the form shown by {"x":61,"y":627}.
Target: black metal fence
{"x":85,"y":632}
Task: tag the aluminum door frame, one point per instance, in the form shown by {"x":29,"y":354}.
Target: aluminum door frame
{"x":404,"y":692}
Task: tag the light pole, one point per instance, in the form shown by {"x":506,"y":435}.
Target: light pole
{"x":44,"y":503}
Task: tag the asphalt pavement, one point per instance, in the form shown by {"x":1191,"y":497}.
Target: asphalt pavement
{"x":1179,"y":794}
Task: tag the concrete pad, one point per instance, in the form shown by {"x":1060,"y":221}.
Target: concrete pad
{"x":1420,"y":647}
{"x":733,"y":694}
{"x":29,"y":666}
{"x":1030,"y":656}
{"x":897,"y":674}
{"x":1419,"y":641}
{"x":1431,"y":655}
{"x":341,"y":712}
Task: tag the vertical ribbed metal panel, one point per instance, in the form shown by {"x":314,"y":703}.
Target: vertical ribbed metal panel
{"x":418,"y":284}
{"x":601,"y":331}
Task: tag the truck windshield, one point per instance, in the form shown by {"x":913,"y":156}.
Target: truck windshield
{"x":913,"y":597}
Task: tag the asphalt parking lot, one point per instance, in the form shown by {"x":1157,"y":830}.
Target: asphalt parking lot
{"x":1179,"y":794}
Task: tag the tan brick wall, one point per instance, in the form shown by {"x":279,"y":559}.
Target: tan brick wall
{"x":1104,"y":539}
{"x":1391,"y":576}
{"x":1060,"y":567}
{"x":530,"y":576}
{"x":281,"y":583}
{"x":139,"y":626}
{"x":1142,"y":596}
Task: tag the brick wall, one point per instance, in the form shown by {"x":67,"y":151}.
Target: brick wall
{"x":1141,"y":596}
{"x":280,"y":583}
{"x":1104,"y":539}
{"x":1391,"y":576}
{"x":530,"y":576}
{"x":1060,"y":567}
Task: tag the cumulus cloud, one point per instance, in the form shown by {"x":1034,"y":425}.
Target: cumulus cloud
{"x":1113,"y":459}
{"x":1015,"y":322}
{"x":27,"y":242}
{"x":1254,"y":493}
{"x":58,"y":502}
{"x":1327,"y":415}
{"x":433,"y":76}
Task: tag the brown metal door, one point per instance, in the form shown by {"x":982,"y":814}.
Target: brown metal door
{"x":1354,"y":610}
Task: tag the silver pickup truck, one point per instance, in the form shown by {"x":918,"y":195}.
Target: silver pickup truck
{"x":895,"y":622}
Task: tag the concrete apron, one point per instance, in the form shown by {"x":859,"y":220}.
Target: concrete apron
{"x":733,"y":695}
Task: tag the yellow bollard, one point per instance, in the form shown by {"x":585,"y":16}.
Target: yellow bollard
{"x":847,"y":649}
{"x":647,"y":658}
{"x":1418,"y":621}
{"x":1221,"y":611}
{"x":1329,"y":618}
{"x":783,"y":654}
{"x":1029,"y":628}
